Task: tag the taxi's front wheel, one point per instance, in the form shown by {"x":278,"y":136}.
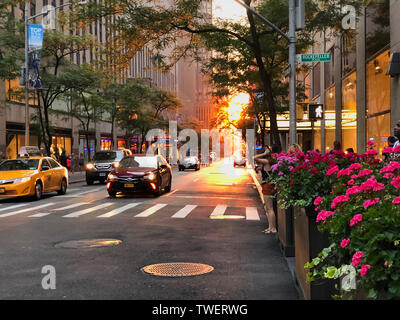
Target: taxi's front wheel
{"x":38,"y":191}
{"x":63,"y":188}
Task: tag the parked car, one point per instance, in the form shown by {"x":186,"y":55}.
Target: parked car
{"x":189,"y":163}
{"x":239,"y":159}
{"x":102,"y":164}
{"x":32,"y":177}
{"x":150,"y":174}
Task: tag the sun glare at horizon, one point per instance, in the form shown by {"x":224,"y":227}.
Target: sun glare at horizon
{"x":236,"y":105}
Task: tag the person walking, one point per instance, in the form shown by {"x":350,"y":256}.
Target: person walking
{"x":69,"y":164}
{"x":63,"y":159}
{"x":266,"y":160}
{"x":81,"y":162}
{"x":73,"y":162}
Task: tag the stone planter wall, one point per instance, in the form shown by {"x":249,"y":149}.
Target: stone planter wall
{"x":308,"y":243}
{"x":285,"y":226}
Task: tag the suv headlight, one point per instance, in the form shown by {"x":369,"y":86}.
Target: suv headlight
{"x":18,"y":180}
{"x":90,"y":166}
{"x":112,"y":177}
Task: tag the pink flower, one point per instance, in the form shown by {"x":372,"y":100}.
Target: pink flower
{"x":355,"y":166}
{"x":372,"y":184}
{"x":356,"y":219}
{"x":388,"y":175}
{"x":396,"y":200}
{"x":332,"y":170}
{"x":323,"y":215}
{"x":353,"y":190}
{"x":364,"y":269}
{"x":345,"y":243}
{"x":356,"y":260}
{"x":339,"y":199}
{"x":371,"y":152}
{"x":364,"y":172}
{"x":317,"y":201}
{"x":343,"y":172}
{"x":350,"y":182}
{"x":387,"y":150}
{"x":369,"y":203}
{"x":396,"y":182}
{"x":370,"y":143}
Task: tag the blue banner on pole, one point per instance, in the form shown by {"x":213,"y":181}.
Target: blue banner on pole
{"x":35,"y":42}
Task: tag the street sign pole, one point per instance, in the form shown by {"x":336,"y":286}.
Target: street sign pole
{"x":292,"y":65}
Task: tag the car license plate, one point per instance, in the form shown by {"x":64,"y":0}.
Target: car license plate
{"x":2,"y":190}
{"x":129,"y":185}
{"x":102,"y":174}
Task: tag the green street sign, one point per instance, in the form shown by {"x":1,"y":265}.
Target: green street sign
{"x":314,"y":57}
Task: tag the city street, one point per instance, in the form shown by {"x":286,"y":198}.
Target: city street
{"x":212,"y":216}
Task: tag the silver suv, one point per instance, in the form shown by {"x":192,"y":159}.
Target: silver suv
{"x":103,"y":163}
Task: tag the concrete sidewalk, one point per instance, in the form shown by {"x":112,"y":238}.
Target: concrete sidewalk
{"x":291,"y":261}
{"x":77,"y":176}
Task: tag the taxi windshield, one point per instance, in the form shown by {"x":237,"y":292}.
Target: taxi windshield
{"x":14,"y":165}
{"x":138,"y":162}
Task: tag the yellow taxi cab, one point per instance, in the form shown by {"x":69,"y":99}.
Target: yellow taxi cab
{"x":32,"y":176}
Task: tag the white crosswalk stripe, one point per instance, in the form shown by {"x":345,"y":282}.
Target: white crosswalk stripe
{"x":184,"y":211}
{"x":118,"y":210}
{"x":78,"y":204}
{"x":219,"y":210}
{"x":85,"y":211}
{"x":79,"y":194}
{"x":252,"y":213}
{"x":25,"y":210}
{"x":151,"y":210}
{"x":15,"y":206}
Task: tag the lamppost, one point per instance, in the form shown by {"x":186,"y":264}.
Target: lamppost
{"x":296,"y":22}
{"x":26,"y":75}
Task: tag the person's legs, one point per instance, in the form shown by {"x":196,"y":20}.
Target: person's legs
{"x":269,"y":209}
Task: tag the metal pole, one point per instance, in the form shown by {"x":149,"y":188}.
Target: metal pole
{"x":292,"y":64}
{"x":26,"y":78}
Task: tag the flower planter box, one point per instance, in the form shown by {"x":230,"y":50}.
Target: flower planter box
{"x":308,"y":243}
{"x":285,"y":226}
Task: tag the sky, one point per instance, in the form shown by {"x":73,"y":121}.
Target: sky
{"x":228,"y":9}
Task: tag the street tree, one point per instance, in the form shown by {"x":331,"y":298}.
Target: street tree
{"x":186,"y":28}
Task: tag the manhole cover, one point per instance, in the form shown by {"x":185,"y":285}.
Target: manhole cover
{"x":228,"y":217}
{"x":88,"y":243}
{"x":177,"y":269}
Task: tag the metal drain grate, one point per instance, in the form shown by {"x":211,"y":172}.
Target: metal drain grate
{"x":177,"y":269}
{"x":88,"y":243}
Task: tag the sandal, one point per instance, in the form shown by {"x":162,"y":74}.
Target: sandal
{"x":269,"y":231}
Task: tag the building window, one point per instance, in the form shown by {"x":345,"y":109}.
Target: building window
{"x":349,"y":113}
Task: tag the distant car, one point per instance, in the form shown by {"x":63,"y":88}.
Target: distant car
{"x":102,"y":164}
{"x":239,"y":159}
{"x":32,"y":177}
{"x":150,"y":174}
{"x":189,"y":163}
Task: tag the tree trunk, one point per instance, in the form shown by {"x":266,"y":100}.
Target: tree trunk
{"x":266,"y":80}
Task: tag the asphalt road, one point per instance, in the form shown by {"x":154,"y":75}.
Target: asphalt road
{"x":193,"y":223}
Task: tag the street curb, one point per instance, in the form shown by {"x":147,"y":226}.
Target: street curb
{"x":250,"y":170}
{"x":77,"y":181}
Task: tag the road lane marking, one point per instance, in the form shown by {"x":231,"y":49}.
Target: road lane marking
{"x":151,"y":210}
{"x":184,"y":211}
{"x":172,"y":192}
{"x":195,"y":180}
{"x":252,"y":213}
{"x":71,"y":206}
{"x":83,"y":193}
{"x":224,"y":198}
{"x":85,"y":211}
{"x":119,"y":210}
{"x":15,"y":206}
{"x":26,"y":210}
{"x":218,"y":211}
{"x":39,"y":215}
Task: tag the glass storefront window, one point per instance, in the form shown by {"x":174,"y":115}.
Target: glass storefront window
{"x":105,"y":144}
{"x":349,"y":113}
{"x":60,"y":143}
{"x":121,"y":144}
{"x":330,"y":116}
{"x":378,"y":100}
{"x":15,"y":142}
